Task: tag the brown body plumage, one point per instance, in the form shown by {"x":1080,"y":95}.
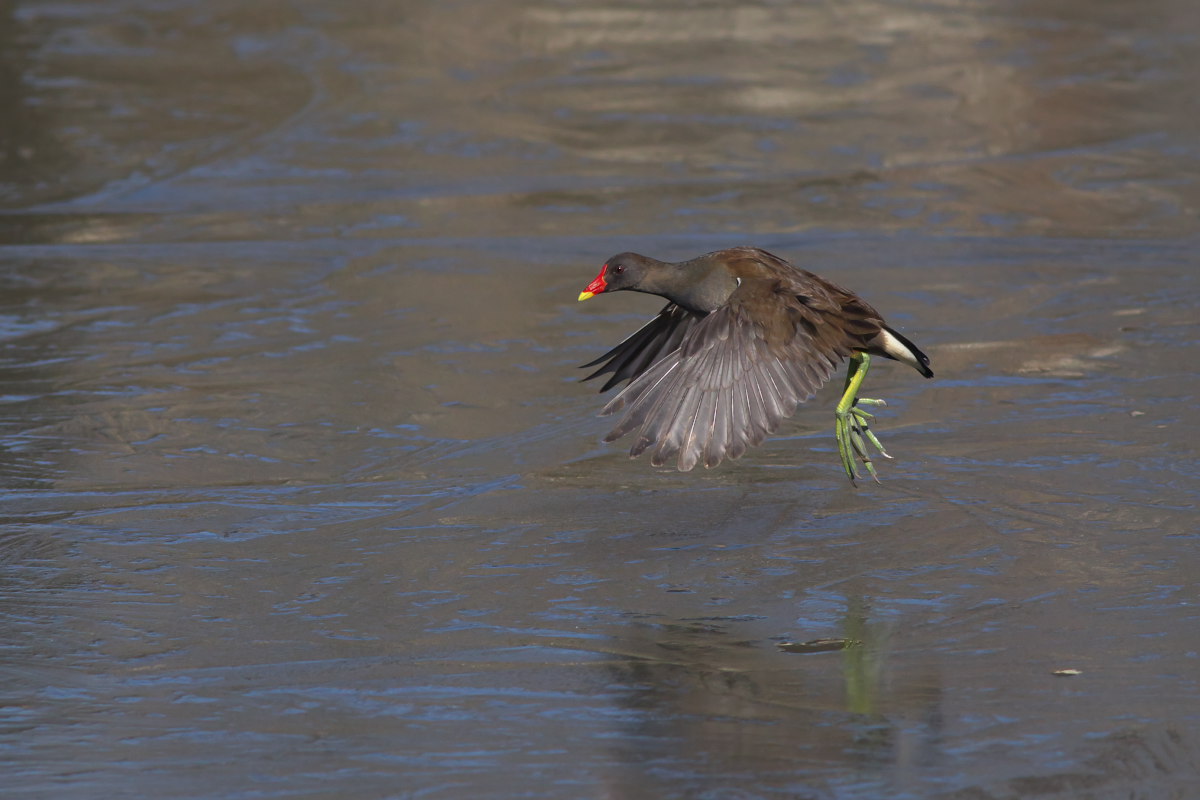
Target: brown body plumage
{"x":745,"y":338}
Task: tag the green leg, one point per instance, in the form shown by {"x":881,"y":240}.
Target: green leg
{"x":853,"y":424}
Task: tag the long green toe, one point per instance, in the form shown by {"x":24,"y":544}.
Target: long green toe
{"x":853,"y":425}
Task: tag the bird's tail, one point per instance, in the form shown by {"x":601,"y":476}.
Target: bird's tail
{"x":892,"y":344}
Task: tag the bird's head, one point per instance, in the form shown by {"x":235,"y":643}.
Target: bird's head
{"x":624,"y":271}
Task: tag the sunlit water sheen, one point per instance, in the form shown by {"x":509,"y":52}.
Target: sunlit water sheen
{"x":302,"y":498}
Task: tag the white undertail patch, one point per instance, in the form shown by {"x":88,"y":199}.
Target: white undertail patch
{"x":897,"y":350}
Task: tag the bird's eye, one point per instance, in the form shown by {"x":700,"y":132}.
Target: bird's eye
{"x":618,"y":269}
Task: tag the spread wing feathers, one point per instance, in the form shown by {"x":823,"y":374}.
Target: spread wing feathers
{"x":732,"y":381}
{"x":645,"y":347}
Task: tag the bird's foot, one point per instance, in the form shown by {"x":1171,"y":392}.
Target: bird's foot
{"x":853,"y":431}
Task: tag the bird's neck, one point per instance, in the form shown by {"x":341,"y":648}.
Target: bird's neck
{"x":697,"y":286}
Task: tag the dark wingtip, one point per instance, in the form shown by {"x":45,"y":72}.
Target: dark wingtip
{"x":610,"y":383}
{"x":594,"y":362}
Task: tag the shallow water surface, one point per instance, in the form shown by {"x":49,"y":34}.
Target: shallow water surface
{"x":302,"y":497}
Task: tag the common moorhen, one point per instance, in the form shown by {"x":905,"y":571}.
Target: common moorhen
{"x":745,"y":338}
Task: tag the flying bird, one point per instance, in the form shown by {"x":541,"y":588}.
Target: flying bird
{"x":744,"y":338}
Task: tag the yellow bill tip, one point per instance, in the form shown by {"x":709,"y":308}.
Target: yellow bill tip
{"x":586,"y":296}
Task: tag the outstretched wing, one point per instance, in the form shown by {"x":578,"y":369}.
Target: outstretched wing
{"x":738,"y":373}
{"x":645,"y":347}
